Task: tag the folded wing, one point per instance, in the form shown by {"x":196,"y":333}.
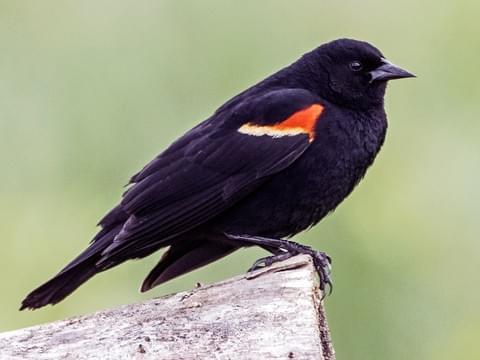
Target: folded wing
{"x":209,"y":169}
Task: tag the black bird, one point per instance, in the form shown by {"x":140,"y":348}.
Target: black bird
{"x":268,"y":164}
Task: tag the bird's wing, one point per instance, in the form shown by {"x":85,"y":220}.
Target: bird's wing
{"x":211,"y":167}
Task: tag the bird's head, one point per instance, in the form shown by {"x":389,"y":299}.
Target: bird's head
{"x":350,"y":72}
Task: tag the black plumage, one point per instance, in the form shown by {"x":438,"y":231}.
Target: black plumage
{"x":269,"y":163}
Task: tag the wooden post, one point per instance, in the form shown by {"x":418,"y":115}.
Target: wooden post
{"x":273,"y":313}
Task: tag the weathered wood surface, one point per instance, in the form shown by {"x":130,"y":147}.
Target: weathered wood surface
{"x":274,"y":313}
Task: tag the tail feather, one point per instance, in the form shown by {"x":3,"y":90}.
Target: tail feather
{"x":58,"y":288}
{"x":82,"y":268}
{"x":183,"y":257}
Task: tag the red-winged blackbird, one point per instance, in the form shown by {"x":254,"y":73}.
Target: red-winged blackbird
{"x":269,"y":163}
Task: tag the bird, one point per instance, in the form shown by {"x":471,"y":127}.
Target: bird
{"x":268,"y":164}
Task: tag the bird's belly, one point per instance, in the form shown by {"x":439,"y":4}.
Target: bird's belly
{"x":294,"y":199}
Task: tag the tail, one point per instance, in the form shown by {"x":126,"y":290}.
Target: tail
{"x":73,"y":275}
{"x":185,"y":256}
{"x":58,"y":288}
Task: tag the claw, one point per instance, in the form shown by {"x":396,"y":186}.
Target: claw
{"x":259,"y":264}
{"x":269,"y":260}
{"x":322,"y":264}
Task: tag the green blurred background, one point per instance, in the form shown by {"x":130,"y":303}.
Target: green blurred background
{"x":92,"y":90}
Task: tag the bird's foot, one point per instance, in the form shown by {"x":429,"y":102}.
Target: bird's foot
{"x":270,"y":260}
{"x":323,"y":265}
{"x":284,"y":249}
{"x":321,"y":261}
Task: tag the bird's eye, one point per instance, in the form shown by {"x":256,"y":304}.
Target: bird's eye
{"x":356,"y":65}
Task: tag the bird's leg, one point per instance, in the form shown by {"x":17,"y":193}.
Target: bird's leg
{"x":284,"y":249}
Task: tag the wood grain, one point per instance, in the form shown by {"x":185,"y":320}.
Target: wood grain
{"x":273,"y":313}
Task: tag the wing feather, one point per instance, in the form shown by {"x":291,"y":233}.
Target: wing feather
{"x":204,"y":173}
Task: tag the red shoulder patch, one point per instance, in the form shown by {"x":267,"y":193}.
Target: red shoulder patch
{"x":301,"y":122}
{"x":305,"y":120}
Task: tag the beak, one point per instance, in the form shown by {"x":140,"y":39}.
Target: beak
{"x":389,"y":71}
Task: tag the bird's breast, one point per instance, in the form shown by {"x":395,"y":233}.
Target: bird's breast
{"x":314,"y":185}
